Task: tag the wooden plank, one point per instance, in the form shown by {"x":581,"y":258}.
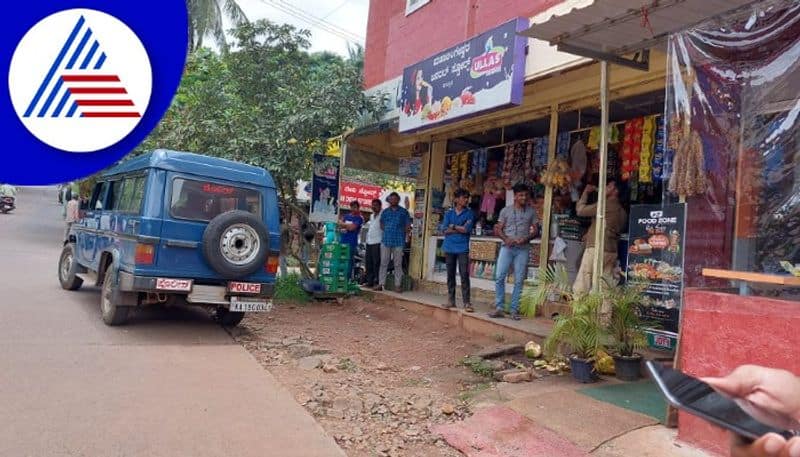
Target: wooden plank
{"x":749,"y":276}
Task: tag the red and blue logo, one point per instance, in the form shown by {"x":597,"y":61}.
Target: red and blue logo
{"x":87,"y":83}
{"x":77,"y":79}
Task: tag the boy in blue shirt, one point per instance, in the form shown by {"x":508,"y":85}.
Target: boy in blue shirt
{"x":457,"y":226}
{"x":351,"y":226}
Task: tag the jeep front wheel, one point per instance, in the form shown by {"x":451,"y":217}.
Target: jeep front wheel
{"x":68,"y":269}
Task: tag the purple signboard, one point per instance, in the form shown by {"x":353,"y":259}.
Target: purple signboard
{"x":482,"y":74}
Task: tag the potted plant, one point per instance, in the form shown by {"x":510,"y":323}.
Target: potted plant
{"x":582,"y":333}
{"x":551,"y":283}
{"x":627,"y":331}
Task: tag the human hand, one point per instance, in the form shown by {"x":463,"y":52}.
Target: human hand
{"x":767,"y":389}
{"x":771,"y":396}
{"x":771,"y":444}
{"x":589,"y":189}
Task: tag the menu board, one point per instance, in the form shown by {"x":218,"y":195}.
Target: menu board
{"x":655,"y":260}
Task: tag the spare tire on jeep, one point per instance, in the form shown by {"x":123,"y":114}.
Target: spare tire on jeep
{"x":236,"y":244}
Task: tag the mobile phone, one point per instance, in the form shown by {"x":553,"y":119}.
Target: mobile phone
{"x":700,"y":399}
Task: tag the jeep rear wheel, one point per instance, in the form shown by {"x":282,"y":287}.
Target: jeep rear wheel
{"x":113,"y":314}
{"x":228,"y":318}
{"x":68,"y":269}
{"x":236,"y":244}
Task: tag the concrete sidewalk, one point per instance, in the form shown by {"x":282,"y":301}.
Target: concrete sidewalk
{"x":560,"y":418}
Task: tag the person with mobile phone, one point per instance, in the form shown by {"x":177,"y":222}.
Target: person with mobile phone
{"x":772,"y":391}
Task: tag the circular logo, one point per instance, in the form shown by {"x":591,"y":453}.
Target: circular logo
{"x":80,"y":80}
{"x":130,"y":63}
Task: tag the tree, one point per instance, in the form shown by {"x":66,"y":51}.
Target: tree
{"x":206,"y":19}
{"x":268,"y":103}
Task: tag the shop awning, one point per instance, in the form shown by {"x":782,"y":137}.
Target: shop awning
{"x":611,"y":29}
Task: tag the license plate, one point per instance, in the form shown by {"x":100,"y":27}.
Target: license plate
{"x":250,"y":306}
{"x":244,"y":287}
{"x":178,"y":285}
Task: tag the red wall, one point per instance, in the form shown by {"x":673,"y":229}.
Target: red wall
{"x":395,"y":41}
{"x":721,"y":331}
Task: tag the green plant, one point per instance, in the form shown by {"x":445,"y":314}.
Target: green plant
{"x":626,"y":326}
{"x":553,"y":280}
{"x":582,"y":331}
{"x":478,"y":366}
{"x":287,"y":288}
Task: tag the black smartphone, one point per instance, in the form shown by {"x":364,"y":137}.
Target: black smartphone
{"x":700,"y":399}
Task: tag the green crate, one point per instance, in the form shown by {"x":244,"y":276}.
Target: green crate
{"x":330,"y":263}
{"x":328,"y":271}
{"x":331,"y":247}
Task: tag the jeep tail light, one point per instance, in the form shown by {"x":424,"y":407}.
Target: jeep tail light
{"x":145,"y":254}
{"x":271,"y":266}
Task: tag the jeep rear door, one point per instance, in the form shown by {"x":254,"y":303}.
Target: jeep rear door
{"x":190,"y":202}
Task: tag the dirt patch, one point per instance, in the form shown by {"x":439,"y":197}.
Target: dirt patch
{"x":376,"y":377}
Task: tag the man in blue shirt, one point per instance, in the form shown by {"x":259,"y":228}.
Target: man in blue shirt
{"x":395,"y":222}
{"x":351,"y":226}
{"x":457,"y":225}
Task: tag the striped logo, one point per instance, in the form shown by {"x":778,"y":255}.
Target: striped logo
{"x":80,"y":80}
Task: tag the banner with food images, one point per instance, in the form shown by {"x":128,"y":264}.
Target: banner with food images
{"x":481,"y":74}
{"x":657,"y":236}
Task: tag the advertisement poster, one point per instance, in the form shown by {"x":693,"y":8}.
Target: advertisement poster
{"x":655,"y":260}
{"x":325,"y":189}
{"x":362,"y":193}
{"x":410,"y":167}
{"x":478,"y":75}
{"x":419,"y":212}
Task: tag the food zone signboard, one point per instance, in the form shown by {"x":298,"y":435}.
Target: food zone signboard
{"x":655,"y":260}
{"x":482,"y":74}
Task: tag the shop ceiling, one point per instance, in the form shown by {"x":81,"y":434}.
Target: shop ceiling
{"x":610,"y":30}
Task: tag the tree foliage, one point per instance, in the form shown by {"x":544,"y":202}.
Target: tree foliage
{"x":267,"y":102}
{"x":205,"y":19}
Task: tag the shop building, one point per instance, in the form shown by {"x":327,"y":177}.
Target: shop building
{"x":699,"y":109}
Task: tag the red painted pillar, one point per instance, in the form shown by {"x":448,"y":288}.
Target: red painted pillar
{"x":721,"y":331}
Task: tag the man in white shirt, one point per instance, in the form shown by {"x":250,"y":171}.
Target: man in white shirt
{"x":72,"y":213}
{"x":374,"y":236}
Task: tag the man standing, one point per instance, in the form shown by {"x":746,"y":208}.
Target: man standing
{"x":457,"y":226}
{"x":395,"y":223}
{"x":615,"y":222}
{"x":72,"y":213}
{"x":515,"y":227}
{"x":351,"y":226}
{"x":374,"y":236}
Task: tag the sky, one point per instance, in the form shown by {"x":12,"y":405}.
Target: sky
{"x":347,"y":17}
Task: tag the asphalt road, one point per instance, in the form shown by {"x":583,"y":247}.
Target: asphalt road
{"x":170,"y":383}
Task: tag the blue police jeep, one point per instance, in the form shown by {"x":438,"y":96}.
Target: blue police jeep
{"x":171,"y":225}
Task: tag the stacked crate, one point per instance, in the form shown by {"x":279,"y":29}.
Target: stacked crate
{"x":334,"y":262}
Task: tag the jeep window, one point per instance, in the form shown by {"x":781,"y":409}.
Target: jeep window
{"x":114,"y":193}
{"x":98,"y":195}
{"x":202,"y":200}
{"x":130,"y":200}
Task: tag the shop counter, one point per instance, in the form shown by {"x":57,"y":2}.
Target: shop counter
{"x":483,"y":258}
